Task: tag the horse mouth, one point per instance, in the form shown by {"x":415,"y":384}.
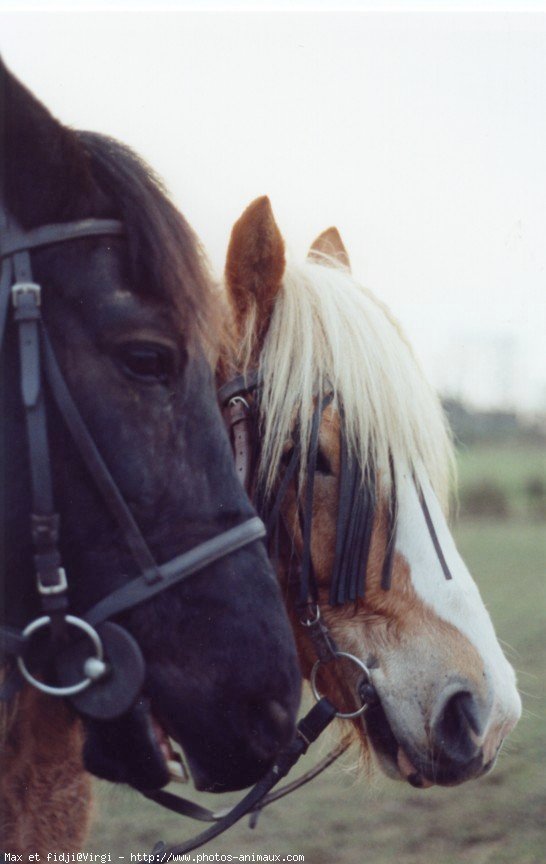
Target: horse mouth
{"x":393,"y":759}
{"x":174,"y":761}
{"x":135,"y":750}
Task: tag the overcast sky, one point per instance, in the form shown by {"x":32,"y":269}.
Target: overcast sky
{"x":422,"y":136}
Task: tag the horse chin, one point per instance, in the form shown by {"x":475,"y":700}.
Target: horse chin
{"x":228,"y":781}
{"x":389,"y":753}
{"x":133,"y":750}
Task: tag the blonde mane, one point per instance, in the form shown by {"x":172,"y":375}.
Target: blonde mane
{"x":329,"y":334}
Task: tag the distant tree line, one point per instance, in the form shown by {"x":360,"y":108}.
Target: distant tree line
{"x":471,"y":426}
{"x":500,"y":492}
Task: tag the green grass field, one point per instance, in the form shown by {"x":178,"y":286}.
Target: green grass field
{"x":337,"y":819}
{"x":341,"y":820}
{"x":509,"y":469}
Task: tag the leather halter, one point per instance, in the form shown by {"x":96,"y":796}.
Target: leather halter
{"x":112,"y":676}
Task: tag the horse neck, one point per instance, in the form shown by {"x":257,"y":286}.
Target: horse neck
{"x":45,"y":794}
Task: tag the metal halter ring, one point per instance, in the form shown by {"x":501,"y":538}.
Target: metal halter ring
{"x":73,"y":688}
{"x":350,"y":715}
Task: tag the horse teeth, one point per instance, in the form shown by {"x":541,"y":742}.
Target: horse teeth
{"x":177,"y":770}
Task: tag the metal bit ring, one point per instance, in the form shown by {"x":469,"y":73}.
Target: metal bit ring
{"x":71,"y":690}
{"x":342,"y":715}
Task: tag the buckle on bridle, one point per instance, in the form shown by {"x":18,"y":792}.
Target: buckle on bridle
{"x":21,"y":289}
{"x":54,"y":588}
{"x":309,"y":620}
{"x":238,"y":400}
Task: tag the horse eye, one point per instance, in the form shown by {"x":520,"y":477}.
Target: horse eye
{"x":286,"y":457}
{"x":147,"y":363}
{"x":322,"y":465}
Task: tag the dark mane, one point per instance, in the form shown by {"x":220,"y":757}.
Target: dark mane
{"x":166,"y":257}
{"x":56,"y":174}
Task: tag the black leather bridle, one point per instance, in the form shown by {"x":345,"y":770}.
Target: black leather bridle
{"x":239,"y":399}
{"x":107,"y":660}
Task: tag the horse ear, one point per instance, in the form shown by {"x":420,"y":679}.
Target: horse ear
{"x":254,"y":267}
{"x":329,"y":243}
{"x":46,"y":172}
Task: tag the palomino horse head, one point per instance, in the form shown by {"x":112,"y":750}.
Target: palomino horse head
{"x":131,"y":322}
{"x":364,"y":500}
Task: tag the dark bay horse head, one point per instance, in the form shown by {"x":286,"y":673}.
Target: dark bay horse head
{"x":132,"y":322}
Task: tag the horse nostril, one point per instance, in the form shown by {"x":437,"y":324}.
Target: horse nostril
{"x":458,"y":727}
{"x":271,"y":726}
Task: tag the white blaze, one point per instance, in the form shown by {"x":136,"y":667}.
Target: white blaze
{"x":457,"y":600}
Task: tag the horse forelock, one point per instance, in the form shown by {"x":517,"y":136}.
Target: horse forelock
{"x":330,"y":334}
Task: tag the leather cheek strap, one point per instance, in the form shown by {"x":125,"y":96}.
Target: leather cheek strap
{"x":238,"y":421}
